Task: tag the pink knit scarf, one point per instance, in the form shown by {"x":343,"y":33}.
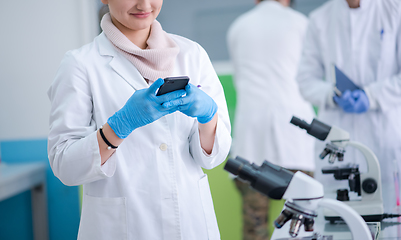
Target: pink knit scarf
{"x":156,"y":61}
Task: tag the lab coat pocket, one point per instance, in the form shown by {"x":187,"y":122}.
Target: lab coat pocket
{"x":208,"y":209}
{"x":103,"y":218}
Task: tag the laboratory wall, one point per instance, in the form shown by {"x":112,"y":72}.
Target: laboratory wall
{"x":207,"y":21}
{"x":35,"y":36}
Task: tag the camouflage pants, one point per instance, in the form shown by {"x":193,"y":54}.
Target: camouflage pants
{"x":255,"y":209}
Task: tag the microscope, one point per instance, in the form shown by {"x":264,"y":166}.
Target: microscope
{"x":303,"y":195}
{"x":367,"y":185}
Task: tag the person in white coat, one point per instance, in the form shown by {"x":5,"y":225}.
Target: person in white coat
{"x":363,"y":39}
{"x":138,"y":156}
{"x":265,"y":46}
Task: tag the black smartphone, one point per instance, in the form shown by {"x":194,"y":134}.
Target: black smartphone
{"x":172,"y":84}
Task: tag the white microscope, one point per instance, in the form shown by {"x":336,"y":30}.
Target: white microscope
{"x":367,"y":185}
{"x":303,"y":194}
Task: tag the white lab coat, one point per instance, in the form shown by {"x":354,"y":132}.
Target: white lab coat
{"x":265,"y":46}
{"x":153,"y":186}
{"x":365,"y":43}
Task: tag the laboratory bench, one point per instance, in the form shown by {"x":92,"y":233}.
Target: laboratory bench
{"x":17,"y":178}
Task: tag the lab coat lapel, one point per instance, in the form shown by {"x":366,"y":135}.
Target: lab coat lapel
{"x":121,"y":65}
{"x":128,"y":72}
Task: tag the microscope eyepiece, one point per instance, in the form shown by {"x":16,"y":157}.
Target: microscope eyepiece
{"x":269,"y":179}
{"x":317,"y":129}
{"x":241,"y":168}
{"x":300,"y":123}
{"x":234,"y":166}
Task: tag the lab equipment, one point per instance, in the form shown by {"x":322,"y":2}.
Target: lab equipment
{"x":142,"y":108}
{"x":353,"y":102}
{"x":195,"y":104}
{"x":367,"y":185}
{"x":172,"y":84}
{"x":303,"y":194}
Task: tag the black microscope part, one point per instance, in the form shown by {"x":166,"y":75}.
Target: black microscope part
{"x":284,"y":217}
{"x":325,"y":152}
{"x":343,"y":172}
{"x":367,"y":218}
{"x":340,"y":157}
{"x":317,"y":129}
{"x":390,"y":215}
{"x":268,"y":178}
{"x":369,"y":185}
{"x":308,"y":224}
{"x":342,"y":195}
{"x":348,"y":172}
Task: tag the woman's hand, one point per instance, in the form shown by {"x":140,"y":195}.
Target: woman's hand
{"x":142,"y":108}
{"x":196,"y":103}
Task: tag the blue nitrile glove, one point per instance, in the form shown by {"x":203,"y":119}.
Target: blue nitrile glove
{"x":142,"y":108}
{"x":195,"y":104}
{"x":353,"y":102}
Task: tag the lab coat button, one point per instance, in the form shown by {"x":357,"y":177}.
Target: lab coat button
{"x":163,"y":147}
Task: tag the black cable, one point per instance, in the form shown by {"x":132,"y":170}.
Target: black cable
{"x":390,"y":215}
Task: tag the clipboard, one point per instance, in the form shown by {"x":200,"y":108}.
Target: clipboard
{"x":342,"y":81}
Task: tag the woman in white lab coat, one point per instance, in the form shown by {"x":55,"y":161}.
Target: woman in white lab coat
{"x":152,"y":186}
{"x":365,"y":43}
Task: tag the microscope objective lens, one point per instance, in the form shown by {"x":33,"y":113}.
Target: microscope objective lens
{"x":284,"y":217}
{"x":325,"y":152}
{"x":340,"y":157}
{"x":308,"y":224}
{"x":332,"y":158}
{"x":295,"y":226}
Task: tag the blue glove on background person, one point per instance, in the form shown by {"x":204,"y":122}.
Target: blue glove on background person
{"x":196,"y":103}
{"x":353,"y":102}
{"x":142,"y":108}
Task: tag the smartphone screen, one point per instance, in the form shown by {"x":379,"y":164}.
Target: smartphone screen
{"x":172,"y":84}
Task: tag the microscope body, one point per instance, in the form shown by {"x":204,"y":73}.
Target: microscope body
{"x":303,"y":195}
{"x":367,"y":185}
